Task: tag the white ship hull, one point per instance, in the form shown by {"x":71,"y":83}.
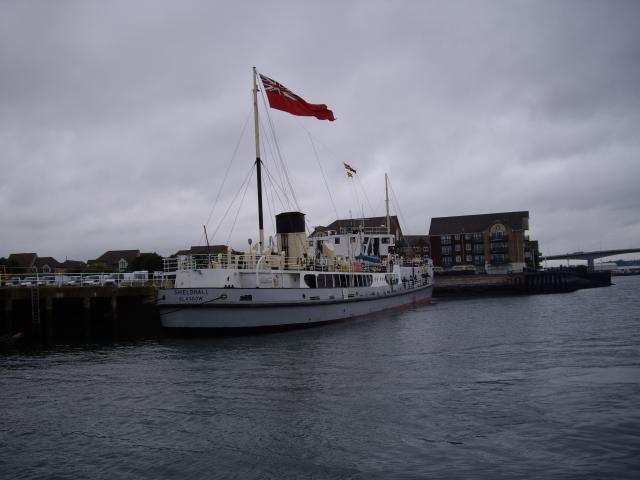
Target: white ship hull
{"x":224,"y":308}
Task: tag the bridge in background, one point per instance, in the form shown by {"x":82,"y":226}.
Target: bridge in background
{"x":590,"y":256}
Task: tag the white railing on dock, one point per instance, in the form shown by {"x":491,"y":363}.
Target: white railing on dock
{"x":123,"y":279}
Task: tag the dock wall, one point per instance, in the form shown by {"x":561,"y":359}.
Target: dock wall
{"x":78,"y":312}
{"x":518,"y":283}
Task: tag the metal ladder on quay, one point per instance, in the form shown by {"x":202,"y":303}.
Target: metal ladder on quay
{"x":35,"y":304}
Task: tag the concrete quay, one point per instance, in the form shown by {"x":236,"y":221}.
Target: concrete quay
{"x":557,"y":281}
{"x":78,"y":312}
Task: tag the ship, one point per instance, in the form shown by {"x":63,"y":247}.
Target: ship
{"x":298,"y":280}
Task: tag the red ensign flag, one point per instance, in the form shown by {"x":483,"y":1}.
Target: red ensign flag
{"x":281,"y":98}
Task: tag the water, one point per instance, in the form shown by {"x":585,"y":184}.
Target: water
{"x":544,"y":386}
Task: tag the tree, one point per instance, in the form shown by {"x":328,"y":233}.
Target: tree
{"x":151,"y":262}
{"x":8,"y":265}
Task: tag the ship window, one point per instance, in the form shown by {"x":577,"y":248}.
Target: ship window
{"x":321,"y":280}
{"x":343,"y":281}
{"x":328,"y":281}
{"x":310,"y":280}
{"x":368,"y":280}
{"x":360,"y":281}
{"x":353,"y":239}
{"x":311,"y":243}
{"x":336,"y":240}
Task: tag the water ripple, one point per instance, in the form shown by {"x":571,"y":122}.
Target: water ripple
{"x":518,"y":387}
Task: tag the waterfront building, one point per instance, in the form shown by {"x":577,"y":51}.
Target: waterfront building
{"x":357,"y":225}
{"x":47,"y":264}
{"x":492,"y":243}
{"x":32,"y":263}
{"x":412,"y":246}
{"x":119,"y":260}
{"x":203,"y":250}
{"x":531,"y":254}
{"x":25,"y":262}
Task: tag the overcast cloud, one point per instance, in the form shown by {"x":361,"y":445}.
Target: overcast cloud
{"x":118,"y":120}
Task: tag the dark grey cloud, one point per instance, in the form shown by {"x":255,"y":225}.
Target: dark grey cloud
{"x":118,"y":119}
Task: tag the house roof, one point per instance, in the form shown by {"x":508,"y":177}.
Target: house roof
{"x":42,"y":261}
{"x":203,"y":250}
{"x":72,"y":264}
{"x":367,"y":222}
{"x":112,"y":257}
{"x":478,"y":223}
{"x":24,"y":260}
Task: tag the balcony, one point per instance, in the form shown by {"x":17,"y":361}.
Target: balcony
{"x":499,"y":260}
{"x":499,"y":248}
{"x":499,"y":237}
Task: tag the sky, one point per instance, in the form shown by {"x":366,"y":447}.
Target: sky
{"x":128,"y":124}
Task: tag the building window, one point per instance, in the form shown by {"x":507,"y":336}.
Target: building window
{"x":467,"y":236}
{"x":498,"y":232}
{"x":445,"y":240}
{"x":446,"y":250}
{"x":336,"y":240}
{"x":425,"y":249}
{"x":467,"y":247}
{"x":446,"y":261}
{"x":477,"y":237}
{"x":456,"y":237}
{"x":458,"y":247}
{"x":478,"y":259}
{"x":498,"y":258}
{"x":122,"y":265}
{"x":468,"y":259}
{"x":458,"y":259}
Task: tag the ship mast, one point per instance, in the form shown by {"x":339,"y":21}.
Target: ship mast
{"x":386,"y":192}
{"x":258,"y":161}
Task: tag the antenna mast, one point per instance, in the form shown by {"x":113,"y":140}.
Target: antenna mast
{"x":258,"y":161}
{"x":386,"y":192}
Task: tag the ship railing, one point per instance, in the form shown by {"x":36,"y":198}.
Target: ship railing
{"x":364,"y":230}
{"x":267,"y":263}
